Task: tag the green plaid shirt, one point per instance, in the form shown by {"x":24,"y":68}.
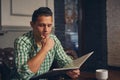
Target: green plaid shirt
{"x":26,"y":48}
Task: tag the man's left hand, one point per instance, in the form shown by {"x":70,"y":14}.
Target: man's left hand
{"x":74,"y":74}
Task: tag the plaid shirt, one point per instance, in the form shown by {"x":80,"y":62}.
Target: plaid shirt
{"x":26,"y":48}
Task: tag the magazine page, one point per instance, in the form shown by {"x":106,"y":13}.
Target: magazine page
{"x":77,"y":63}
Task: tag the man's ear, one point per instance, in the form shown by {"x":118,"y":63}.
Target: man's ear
{"x":32,"y":24}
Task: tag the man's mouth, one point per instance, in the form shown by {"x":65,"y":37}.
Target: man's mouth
{"x":44,"y":35}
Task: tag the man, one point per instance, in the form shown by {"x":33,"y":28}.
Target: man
{"x":36,"y":50}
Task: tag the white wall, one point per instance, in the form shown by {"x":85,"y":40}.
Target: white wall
{"x":7,"y":39}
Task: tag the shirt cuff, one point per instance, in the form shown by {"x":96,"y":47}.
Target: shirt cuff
{"x":25,"y":72}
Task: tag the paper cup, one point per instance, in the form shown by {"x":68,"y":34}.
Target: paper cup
{"x":101,"y":74}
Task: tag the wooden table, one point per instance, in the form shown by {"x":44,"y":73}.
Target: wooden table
{"x":112,"y":74}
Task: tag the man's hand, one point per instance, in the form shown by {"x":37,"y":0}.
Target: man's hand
{"x":74,"y":74}
{"x":47,"y":43}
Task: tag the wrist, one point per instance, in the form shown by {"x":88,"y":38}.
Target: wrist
{"x":44,"y":49}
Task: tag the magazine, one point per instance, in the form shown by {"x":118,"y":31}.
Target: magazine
{"x":76,"y":64}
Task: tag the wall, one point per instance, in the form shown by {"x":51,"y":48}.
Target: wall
{"x":7,"y":39}
{"x":113,"y":32}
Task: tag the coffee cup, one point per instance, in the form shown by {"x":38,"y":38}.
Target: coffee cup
{"x":101,"y":74}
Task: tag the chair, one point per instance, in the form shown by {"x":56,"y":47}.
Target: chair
{"x":9,"y":57}
{"x":1,"y":56}
{"x":1,"y":62}
{"x":7,"y":62}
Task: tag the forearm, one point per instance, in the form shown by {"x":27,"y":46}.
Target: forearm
{"x":35,"y":62}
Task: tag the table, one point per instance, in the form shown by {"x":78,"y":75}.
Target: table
{"x":112,"y":74}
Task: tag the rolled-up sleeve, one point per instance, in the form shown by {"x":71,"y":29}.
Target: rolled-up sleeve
{"x":21,"y":58}
{"x":61,"y":57}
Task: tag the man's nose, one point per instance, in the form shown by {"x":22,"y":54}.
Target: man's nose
{"x":46,"y":28}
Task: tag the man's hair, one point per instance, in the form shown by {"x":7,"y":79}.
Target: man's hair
{"x":42,"y":11}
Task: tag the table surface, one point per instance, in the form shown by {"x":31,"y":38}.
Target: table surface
{"x":112,"y":75}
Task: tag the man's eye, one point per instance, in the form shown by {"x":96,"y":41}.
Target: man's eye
{"x":43,"y":25}
{"x":49,"y":25}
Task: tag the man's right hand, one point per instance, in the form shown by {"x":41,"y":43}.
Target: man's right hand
{"x":47,"y":43}
{"x":36,"y":61}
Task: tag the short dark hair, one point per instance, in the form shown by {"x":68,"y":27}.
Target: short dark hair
{"x":42,"y":11}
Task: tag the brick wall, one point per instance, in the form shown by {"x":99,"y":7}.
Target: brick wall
{"x":113,"y":28}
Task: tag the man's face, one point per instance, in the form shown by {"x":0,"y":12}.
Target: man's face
{"x":43,"y":26}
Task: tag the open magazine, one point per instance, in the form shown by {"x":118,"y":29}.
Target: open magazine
{"x":76,"y":64}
